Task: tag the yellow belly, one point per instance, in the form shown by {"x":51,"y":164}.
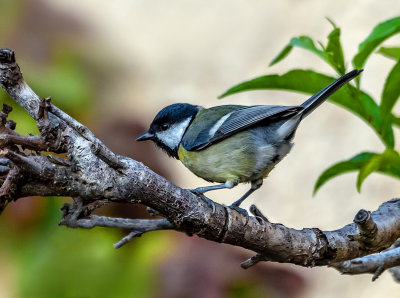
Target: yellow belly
{"x":229,"y":160}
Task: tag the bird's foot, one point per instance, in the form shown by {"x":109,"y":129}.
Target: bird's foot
{"x":241,"y":211}
{"x":258,"y":214}
{"x":201,"y":195}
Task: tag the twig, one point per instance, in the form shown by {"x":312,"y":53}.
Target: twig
{"x":254,"y":260}
{"x":375,"y":263}
{"x":31,"y":142}
{"x":127,"y":238}
{"x":142,"y":225}
{"x":138,"y":226}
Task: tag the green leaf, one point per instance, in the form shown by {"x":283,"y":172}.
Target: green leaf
{"x":395,"y":120}
{"x":331,"y":22}
{"x":310,"y":82}
{"x":371,"y":166}
{"x":286,"y":50}
{"x":353,"y":164}
{"x":390,"y":94}
{"x":304,"y":42}
{"x":334,"y":51}
{"x":379,"y":34}
{"x":388,"y":163}
{"x":393,"y":53}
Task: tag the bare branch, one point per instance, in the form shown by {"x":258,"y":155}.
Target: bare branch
{"x":375,"y":263}
{"x":127,"y":239}
{"x":139,"y":225}
{"x":95,"y":175}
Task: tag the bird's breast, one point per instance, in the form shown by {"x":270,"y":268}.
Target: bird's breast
{"x":239,"y":158}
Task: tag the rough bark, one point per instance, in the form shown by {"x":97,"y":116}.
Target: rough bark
{"x":93,"y":175}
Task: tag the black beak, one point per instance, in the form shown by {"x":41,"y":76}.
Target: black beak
{"x":145,"y":136}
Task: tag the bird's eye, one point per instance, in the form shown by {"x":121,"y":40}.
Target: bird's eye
{"x":164,"y":126}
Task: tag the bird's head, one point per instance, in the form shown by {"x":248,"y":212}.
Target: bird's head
{"x":169,"y":126}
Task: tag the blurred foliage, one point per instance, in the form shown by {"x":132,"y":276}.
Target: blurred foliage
{"x":250,"y":289}
{"x":378,"y":116}
{"x":52,"y":261}
{"x":55,"y":261}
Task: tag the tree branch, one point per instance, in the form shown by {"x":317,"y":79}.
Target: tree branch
{"x":375,"y":263}
{"x":95,"y":175}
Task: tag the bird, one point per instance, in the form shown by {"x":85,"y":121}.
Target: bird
{"x":232,"y":144}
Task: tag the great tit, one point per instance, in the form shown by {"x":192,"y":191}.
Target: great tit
{"x":232,"y":144}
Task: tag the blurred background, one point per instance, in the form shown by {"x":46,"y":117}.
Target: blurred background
{"x":113,"y":65}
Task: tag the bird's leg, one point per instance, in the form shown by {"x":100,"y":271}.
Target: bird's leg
{"x":235,"y":205}
{"x":227,"y":184}
{"x":201,"y":190}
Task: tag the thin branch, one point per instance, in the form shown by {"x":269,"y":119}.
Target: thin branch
{"x":28,"y":142}
{"x":254,"y":260}
{"x":140,"y":225}
{"x":127,"y":238}
{"x":375,"y":263}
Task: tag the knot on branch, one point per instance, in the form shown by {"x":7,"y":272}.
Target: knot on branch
{"x":367,"y":228}
{"x":7,"y":56}
{"x":10,"y":75}
{"x":50,"y":134}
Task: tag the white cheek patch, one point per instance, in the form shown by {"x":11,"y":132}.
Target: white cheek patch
{"x":173,"y":135}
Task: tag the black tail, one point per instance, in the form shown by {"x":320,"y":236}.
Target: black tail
{"x":314,"y":101}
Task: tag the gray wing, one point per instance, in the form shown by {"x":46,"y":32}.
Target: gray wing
{"x":238,"y":121}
